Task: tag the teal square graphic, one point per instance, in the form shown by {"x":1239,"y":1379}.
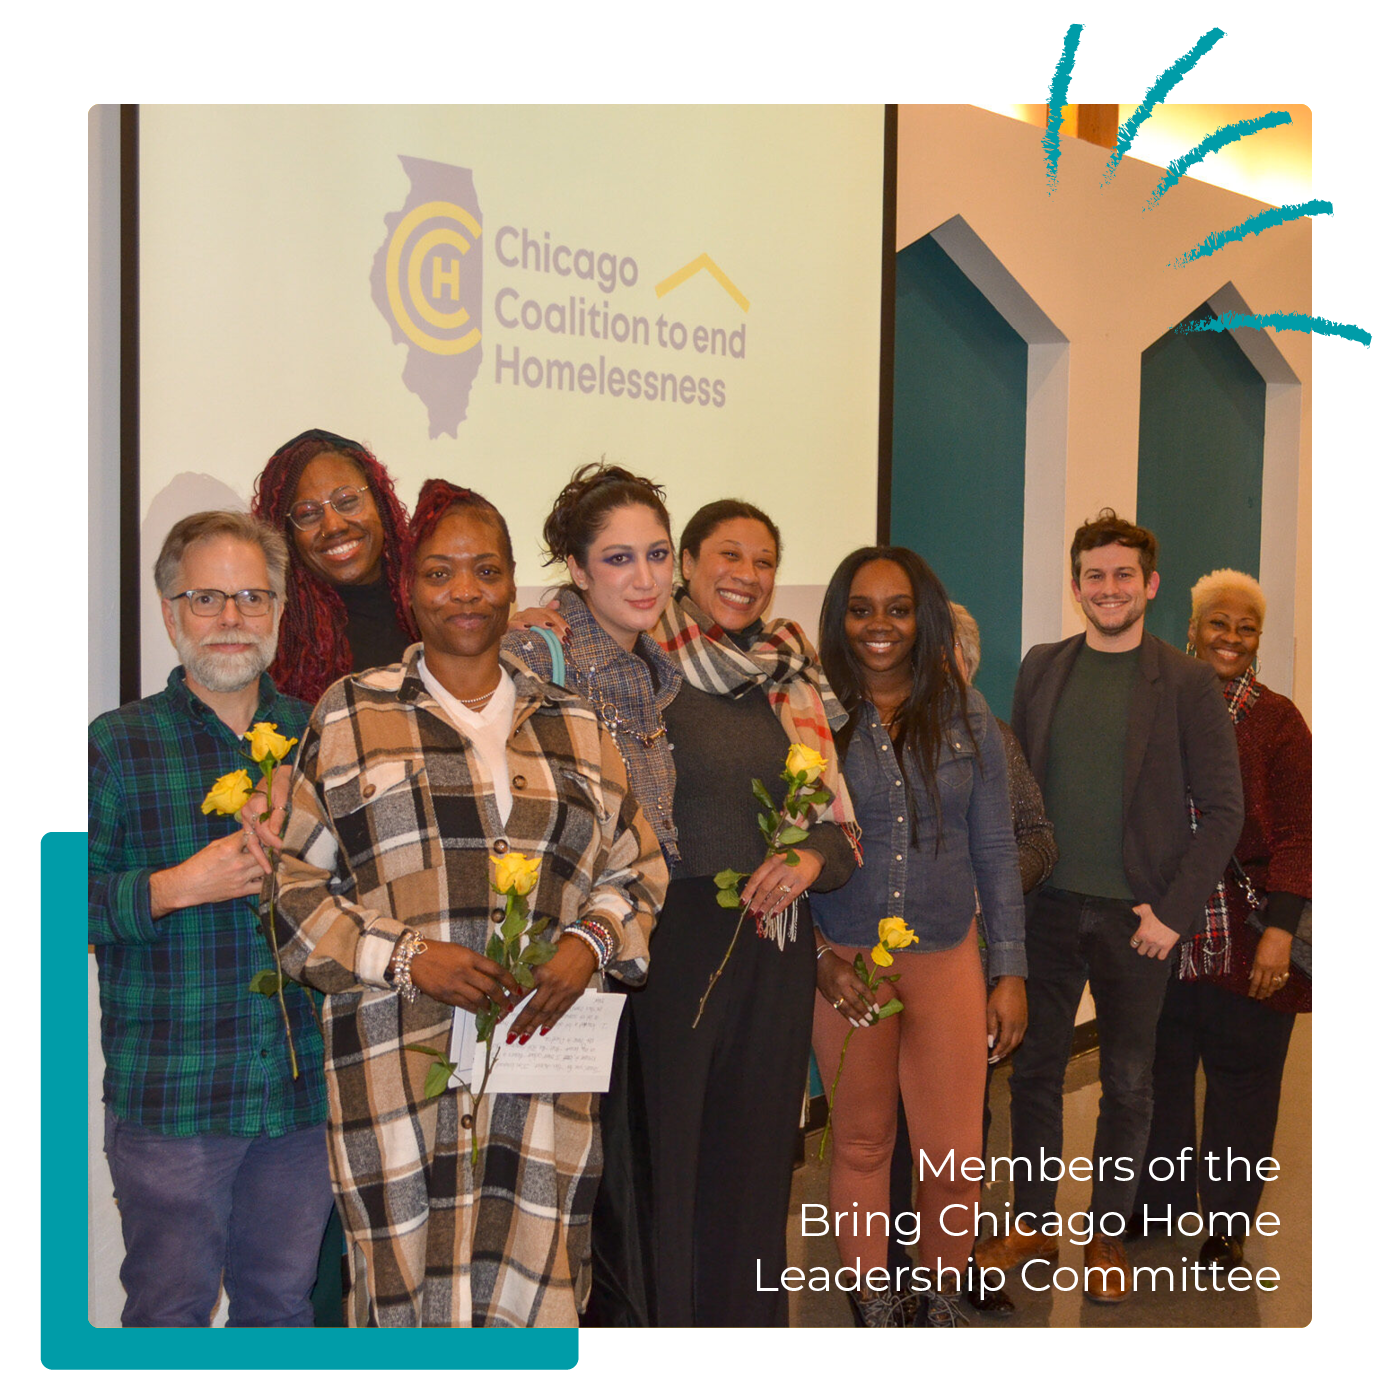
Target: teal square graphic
{"x":68,"y":1341}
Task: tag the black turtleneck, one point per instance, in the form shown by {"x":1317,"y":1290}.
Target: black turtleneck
{"x":372,"y":627}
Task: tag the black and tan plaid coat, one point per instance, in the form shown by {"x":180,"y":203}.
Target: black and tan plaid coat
{"x":392,"y":822}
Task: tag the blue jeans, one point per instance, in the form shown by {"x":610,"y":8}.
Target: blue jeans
{"x":249,"y":1212}
{"x":1071,"y":939}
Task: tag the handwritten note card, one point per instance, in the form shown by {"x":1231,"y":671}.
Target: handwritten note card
{"x":575,"y":1057}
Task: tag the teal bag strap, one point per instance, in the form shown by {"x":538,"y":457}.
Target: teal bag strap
{"x":556,"y":654}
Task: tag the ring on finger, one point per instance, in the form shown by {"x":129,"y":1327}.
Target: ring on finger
{"x":838,"y":1003}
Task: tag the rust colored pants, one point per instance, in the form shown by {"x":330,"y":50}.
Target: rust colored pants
{"x":934,"y":1053}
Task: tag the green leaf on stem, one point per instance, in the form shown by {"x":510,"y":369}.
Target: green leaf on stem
{"x":727,"y":898}
{"x":792,"y":836}
{"x":862,"y":970}
{"x":266,"y":983}
{"x":761,"y":792}
{"x":768,"y":823}
{"x":538,"y":927}
{"x":525,"y":977}
{"x":430,"y":1050}
{"x":791,"y":858}
{"x":537,"y":954}
{"x":891,"y":1008}
{"x":496,"y":948}
{"x":436,"y":1082}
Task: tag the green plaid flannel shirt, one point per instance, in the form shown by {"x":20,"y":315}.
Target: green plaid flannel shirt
{"x":189,"y":1049}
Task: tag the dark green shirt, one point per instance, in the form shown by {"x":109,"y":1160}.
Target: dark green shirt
{"x":189,"y":1048}
{"x":1084,"y":773}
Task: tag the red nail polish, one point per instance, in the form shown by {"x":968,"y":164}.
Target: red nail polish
{"x":524,"y":1039}
{"x":544,"y":1030}
{"x":510,"y":1037}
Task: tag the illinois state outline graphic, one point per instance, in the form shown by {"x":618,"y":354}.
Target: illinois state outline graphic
{"x":426,"y":282}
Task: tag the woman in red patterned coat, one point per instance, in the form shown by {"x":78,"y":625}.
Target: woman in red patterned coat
{"x":1232,"y":1008}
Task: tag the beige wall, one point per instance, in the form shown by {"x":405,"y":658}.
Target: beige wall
{"x":1089,"y":278}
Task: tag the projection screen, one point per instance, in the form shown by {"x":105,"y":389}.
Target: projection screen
{"x":497,"y":295}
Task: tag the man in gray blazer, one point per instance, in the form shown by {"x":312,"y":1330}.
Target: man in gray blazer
{"x":1124,"y":734}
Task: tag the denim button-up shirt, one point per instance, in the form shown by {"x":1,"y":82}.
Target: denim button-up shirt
{"x":935,"y":894}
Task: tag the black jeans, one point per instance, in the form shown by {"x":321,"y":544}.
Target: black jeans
{"x":1243,"y":1045}
{"x":1071,"y":939}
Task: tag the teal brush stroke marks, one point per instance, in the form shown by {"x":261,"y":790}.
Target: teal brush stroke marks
{"x":1059,"y":90}
{"x":1164,"y":84}
{"x":1260,"y":223}
{"x":1217,"y":140}
{"x":1280,"y":321}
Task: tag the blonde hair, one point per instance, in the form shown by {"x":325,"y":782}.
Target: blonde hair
{"x":1208,"y":588}
{"x":969,"y":637}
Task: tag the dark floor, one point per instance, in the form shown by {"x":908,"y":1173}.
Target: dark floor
{"x":1289,"y":1252}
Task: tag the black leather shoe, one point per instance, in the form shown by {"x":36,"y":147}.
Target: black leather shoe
{"x":993,"y":1301}
{"x":1225,"y":1250}
{"x":1138,"y":1230}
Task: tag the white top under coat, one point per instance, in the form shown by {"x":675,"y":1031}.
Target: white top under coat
{"x":486,"y":729}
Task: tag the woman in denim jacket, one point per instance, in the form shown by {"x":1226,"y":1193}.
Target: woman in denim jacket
{"x":927,"y":772}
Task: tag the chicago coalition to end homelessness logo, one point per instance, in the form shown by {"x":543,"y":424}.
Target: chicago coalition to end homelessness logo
{"x":426,"y":282}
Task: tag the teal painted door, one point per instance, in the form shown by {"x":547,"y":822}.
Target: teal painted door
{"x":1200,"y":464}
{"x":957,"y":490}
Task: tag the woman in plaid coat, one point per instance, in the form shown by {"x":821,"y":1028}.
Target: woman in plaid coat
{"x":409,"y":780}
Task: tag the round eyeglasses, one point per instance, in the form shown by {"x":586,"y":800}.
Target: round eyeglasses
{"x":210,"y":602}
{"x":344,"y":500}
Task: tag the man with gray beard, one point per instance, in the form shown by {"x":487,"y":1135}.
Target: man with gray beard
{"x":217,"y":1146}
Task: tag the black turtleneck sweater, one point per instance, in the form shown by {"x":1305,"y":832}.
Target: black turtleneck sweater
{"x":372,"y":627}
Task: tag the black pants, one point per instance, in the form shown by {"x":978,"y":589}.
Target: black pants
{"x":1071,"y":939}
{"x":1243,"y":1045}
{"x":722,"y":1104}
{"x":624,"y":1291}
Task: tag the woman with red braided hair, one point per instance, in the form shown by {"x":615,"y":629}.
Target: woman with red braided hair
{"x":346,"y":606}
{"x":346,"y":609}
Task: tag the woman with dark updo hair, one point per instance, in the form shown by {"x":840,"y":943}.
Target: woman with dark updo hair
{"x":611,"y":530}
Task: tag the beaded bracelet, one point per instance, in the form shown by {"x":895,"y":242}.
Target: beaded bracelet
{"x":400,"y":970}
{"x":606,"y":934}
{"x":598,"y":936}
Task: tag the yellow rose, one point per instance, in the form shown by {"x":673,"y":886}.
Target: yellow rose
{"x":880,"y":956}
{"x":268,"y":743}
{"x":895,"y":933}
{"x":804,"y":761}
{"x":515,"y":872}
{"x":228,"y":795}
